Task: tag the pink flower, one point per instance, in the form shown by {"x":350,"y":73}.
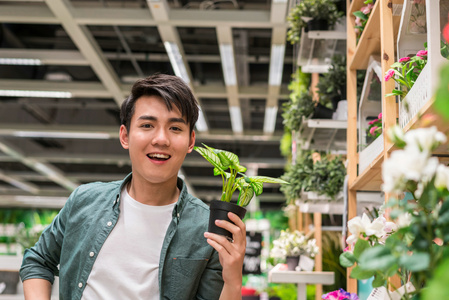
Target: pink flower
{"x":380,"y":116}
{"x":371,"y":122}
{"x":373,"y":130}
{"x":358,"y":21}
{"x":389,"y":74}
{"x":404,"y":59}
{"x":366,"y":9}
{"x":421,"y":53}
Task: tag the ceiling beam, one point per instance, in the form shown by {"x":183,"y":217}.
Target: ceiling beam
{"x":88,"y":47}
{"x":175,"y":50}
{"x":51,"y":172}
{"x":226,"y":44}
{"x":278,"y":39}
{"x":32,"y":14}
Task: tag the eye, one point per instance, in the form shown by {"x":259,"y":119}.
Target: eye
{"x":176,"y":128}
{"x":146,"y":125}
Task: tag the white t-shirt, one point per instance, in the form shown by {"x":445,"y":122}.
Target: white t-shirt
{"x":128,"y":263}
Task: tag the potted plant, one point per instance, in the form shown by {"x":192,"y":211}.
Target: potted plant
{"x":297,"y":176}
{"x":291,"y":245}
{"x":327,"y":177}
{"x":312,"y":15}
{"x":332,"y":85}
{"x":298,"y":107}
{"x":233,"y":180}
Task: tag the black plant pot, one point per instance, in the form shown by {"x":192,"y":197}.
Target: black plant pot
{"x":322,"y":112}
{"x":335,"y":101}
{"x":219,"y":211}
{"x":314,"y":24}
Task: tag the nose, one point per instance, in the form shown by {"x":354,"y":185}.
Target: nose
{"x":161,"y":138}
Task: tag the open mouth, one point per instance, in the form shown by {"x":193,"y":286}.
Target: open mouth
{"x":158,"y":156}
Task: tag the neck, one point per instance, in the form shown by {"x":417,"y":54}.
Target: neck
{"x":153,"y":194}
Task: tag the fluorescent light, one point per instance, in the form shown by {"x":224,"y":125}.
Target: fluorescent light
{"x":276,"y":64}
{"x":236,"y":119}
{"x":176,"y":61}
{"x":279,"y":1}
{"x":228,"y":64}
{"x":201,"y":124}
{"x":270,"y":119}
{"x":20,"y":61}
{"x":38,"y":94}
{"x":62,"y":135}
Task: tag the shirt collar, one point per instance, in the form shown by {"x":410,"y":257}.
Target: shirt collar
{"x":183,"y":195}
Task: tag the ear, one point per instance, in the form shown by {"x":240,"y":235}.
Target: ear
{"x":124,"y":137}
{"x":191,"y":142}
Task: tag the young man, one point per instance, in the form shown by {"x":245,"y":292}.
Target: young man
{"x":143,"y":237}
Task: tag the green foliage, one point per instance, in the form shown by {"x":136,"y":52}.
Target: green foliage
{"x":311,"y":9}
{"x":234,"y":179}
{"x":295,"y":110}
{"x":327,"y":177}
{"x":442,"y":93}
{"x":333,"y":83}
{"x":297,"y":175}
{"x":300,"y":102}
{"x":330,"y":251}
{"x":286,"y":144}
{"x":438,"y":287}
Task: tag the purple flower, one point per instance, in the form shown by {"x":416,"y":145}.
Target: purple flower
{"x":404,"y":59}
{"x":389,"y":74}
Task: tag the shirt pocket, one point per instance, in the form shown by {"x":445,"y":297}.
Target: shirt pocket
{"x":186,"y":277}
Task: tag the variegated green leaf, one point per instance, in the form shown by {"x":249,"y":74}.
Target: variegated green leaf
{"x":266,"y":179}
{"x":258,"y":187}
{"x":245,"y":196}
{"x":210,"y":156}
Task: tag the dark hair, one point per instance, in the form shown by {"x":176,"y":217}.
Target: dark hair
{"x":171,"y":88}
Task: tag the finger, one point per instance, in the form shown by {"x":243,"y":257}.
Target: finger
{"x":237,"y":221}
{"x":235,"y":230}
{"x":218,"y":242}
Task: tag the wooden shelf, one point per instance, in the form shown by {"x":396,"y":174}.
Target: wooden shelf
{"x":369,"y":43}
{"x":371,"y":178}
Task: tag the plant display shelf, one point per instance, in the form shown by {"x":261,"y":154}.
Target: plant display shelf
{"x":369,"y":42}
{"x":318,"y":46}
{"x":323,"y":134}
{"x":300,"y":278}
{"x":424,"y":88}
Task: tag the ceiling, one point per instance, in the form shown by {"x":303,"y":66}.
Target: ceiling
{"x":91,"y":51}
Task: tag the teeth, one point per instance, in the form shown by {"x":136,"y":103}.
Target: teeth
{"x":157,"y":155}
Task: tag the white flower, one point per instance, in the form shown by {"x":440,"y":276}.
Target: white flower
{"x":442,"y":177}
{"x":405,"y":165}
{"x":404,"y":220}
{"x":356,"y":226}
{"x":376,"y":227}
{"x":424,"y":139}
{"x":396,"y":134}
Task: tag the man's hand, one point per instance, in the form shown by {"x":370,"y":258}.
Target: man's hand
{"x":231,"y":255}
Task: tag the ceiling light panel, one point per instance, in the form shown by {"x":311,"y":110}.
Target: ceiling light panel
{"x":228,"y":63}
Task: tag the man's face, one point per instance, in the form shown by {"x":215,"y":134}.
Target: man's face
{"x":158,"y":140}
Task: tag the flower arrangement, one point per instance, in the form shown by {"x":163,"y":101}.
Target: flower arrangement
{"x":405,"y":72}
{"x":375,"y":127}
{"x":340,"y":294}
{"x":415,"y":247}
{"x":293,"y":243}
{"x":362,"y":16}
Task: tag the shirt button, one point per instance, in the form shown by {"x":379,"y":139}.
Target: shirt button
{"x":109,"y":223}
{"x":80,"y":285}
{"x":178,"y":215}
{"x":91,"y":254}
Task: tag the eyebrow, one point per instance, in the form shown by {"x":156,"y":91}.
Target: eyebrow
{"x":171,"y":120}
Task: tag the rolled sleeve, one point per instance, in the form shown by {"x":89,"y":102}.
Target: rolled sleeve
{"x":42,"y":260}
